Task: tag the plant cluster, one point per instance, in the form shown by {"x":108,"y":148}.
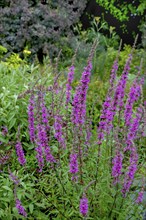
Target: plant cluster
{"x":57,"y":166}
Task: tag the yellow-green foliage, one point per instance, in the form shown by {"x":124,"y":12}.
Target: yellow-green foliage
{"x":3,"y":50}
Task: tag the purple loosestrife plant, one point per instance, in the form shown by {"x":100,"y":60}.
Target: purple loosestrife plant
{"x":44,"y":113}
{"x":20,"y":208}
{"x":131,"y":136}
{"x":117,"y":166}
{"x":43,"y":147}
{"x":113,"y":74}
{"x":59,"y":131}
{"x":73,"y":163}
{"x":129,"y":176}
{"x":84,"y":206}
{"x":31,"y":119}
{"x":133,"y":96}
{"x":107,"y":114}
{"x":69,"y":82}
{"x":14,"y":178}
{"x":20,"y":153}
{"x":79,"y":101}
{"x":120,"y":88}
{"x":39,"y":148}
{"x":140,"y":197}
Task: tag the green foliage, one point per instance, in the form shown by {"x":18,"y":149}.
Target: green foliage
{"x":121,"y":10}
{"x":51,"y":194}
{"x":3,"y":50}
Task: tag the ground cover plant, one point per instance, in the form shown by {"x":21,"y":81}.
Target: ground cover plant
{"x":54,"y":163}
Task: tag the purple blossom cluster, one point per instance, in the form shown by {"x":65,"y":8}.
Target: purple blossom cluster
{"x":120,"y":88}
{"x":20,"y":153}
{"x":69,"y":82}
{"x":43,"y":147}
{"x":79,"y":101}
{"x":140,"y":196}
{"x":105,"y":119}
{"x":84,"y":206}
{"x":20,"y":208}
{"x":134,"y":94}
{"x":129,"y":176}
{"x":14,"y":178}
{"x":133,"y":129}
{"x":59,"y":131}
{"x":107,"y":115}
{"x":117,"y":166}
{"x":113,"y":74}
{"x":31,"y":119}
{"x":73,"y":164}
{"x":44,"y":112}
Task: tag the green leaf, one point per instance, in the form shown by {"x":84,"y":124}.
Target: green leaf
{"x":12,"y":123}
{"x":7,"y":188}
{"x":31,"y":207}
{"x":2,"y":139}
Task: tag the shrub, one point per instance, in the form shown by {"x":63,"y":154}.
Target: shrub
{"x":40,"y":25}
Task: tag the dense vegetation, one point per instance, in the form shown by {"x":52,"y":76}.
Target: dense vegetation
{"x":72,"y":128}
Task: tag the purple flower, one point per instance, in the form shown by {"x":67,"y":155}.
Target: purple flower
{"x":59,"y":131}
{"x":31,"y":119}
{"x":120,"y":88}
{"x":134,"y":94}
{"x":133,"y":129}
{"x":73,"y":163}
{"x":113,"y":74}
{"x":20,"y":208}
{"x":129,"y":176}
{"x":79,"y":101}
{"x":68,"y":85}
{"x":117,"y":166}
{"x":84,"y":206}
{"x":14,"y":178}
{"x":43,"y":147}
{"x":20,"y":153}
{"x":107,"y":112}
{"x":44,"y":112}
{"x":140,"y":197}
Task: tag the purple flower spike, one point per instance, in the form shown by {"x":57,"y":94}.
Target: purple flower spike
{"x":113,"y":73}
{"x":69,"y":82}
{"x":59,"y":131}
{"x":120,"y":88}
{"x":117,"y":167}
{"x":31,"y":119}
{"x":15,"y":179}
{"x":73,"y":164}
{"x":140,"y":197}
{"x":20,"y":153}
{"x":134,"y":94}
{"x":79,"y":101}
{"x":42,"y":147}
{"x":84,"y":206}
{"x":129,"y":177}
{"x":20,"y":208}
